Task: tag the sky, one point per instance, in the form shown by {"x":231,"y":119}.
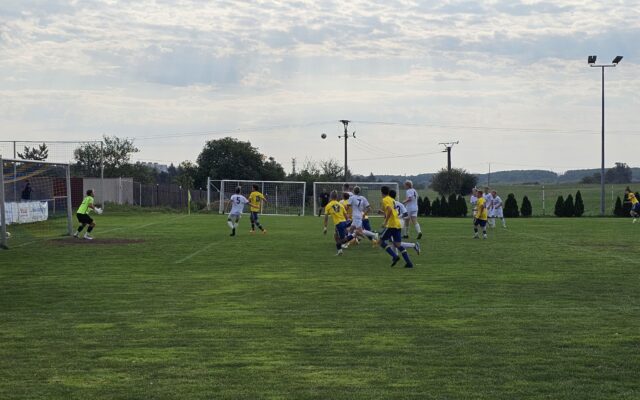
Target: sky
{"x":508,"y":80}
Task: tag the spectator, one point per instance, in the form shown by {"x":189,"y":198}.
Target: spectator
{"x":26,"y":192}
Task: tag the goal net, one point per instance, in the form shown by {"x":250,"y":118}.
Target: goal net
{"x":35,"y":201}
{"x":283,"y":197}
{"x":370,"y":190}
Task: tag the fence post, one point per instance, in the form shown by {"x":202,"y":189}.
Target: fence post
{"x":69,"y":205}
{"x":3,"y":221}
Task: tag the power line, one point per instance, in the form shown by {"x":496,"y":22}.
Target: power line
{"x":398,"y":156}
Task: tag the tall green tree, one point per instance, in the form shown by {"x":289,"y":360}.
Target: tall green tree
{"x":618,"y":211}
{"x":579,"y":205}
{"x":525,"y":209}
{"x":453,"y":205}
{"x":559,"y":207}
{"x":435,"y":207}
{"x":426,"y":207}
{"x":115,"y":151}
{"x":186,"y":176}
{"x":569,"y":207}
{"x":444,"y":207}
{"x":620,"y":173}
{"x":463,"y":210}
{"x":511,"y":207}
{"x":40,"y":153}
{"x":456,"y":181}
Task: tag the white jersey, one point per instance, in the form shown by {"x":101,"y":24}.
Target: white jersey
{"x":488,"y":200}
{"x":412,"y":200}
{"x":359,"y":205}
{"x":237,"y":203}
{"x":496,"y":203}
{"x":473,"y":200}
{"x":402,"y":210}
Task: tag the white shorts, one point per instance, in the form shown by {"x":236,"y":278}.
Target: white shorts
{"x":234,"y":215}
{"x":497,"y":213}
{"x":413,"y":213}
{"x":357,"y":222}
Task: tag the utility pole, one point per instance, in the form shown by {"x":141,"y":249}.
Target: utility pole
{"x":447,"y":149}
{"x":346,"y":139}
{"x":293,"y":166}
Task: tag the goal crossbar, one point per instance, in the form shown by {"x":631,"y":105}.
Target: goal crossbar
{"x":283,"y":197}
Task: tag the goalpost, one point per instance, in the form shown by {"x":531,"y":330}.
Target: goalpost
{"x":35,"y":201}
{"x":370,"y":190}
{"x":283,"y":197}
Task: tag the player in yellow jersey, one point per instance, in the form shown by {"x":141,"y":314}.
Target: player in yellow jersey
{"x":481,"y":216}
{"x":255,"y":200}
{"x":339,"y":217}
{"x":392,"y":230}
{"x":83,"y":215}
{"x":635,"y":204}
{"x":347,"y":206}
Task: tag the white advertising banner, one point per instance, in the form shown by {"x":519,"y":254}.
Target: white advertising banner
{"x":26,"y":212}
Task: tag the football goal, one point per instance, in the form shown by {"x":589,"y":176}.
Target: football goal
{"x":370,"y":190}
{"x":283,"y":197}
{"x":35,"y":201}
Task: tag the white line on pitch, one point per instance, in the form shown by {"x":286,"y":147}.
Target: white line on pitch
{"x":195,"y":253}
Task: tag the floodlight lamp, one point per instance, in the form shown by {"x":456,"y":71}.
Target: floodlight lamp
{"x":617,"y":59}
{"x":592,"y":59}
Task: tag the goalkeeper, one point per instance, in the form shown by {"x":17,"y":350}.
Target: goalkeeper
{"x":83,"y":215}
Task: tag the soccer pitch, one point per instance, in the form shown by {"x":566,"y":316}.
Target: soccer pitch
{"x":546,"y":309}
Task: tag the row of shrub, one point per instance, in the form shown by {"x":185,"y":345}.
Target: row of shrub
{"x":569,"y":207}
{"x":456,"y":206}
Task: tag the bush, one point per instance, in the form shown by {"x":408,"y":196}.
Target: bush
{"x":462,"y":206}
{"x":453,"y":205}
{"x":426,"y":207}
{"x":559,"y":208}
{"x":618,"y":211}
{"x":511,"y":207}
{"x":526,"y":209}
{"x":435,"y":207}
{"x":579,"y":206}
{"x":569,"y":207}
{"x":444,"y":207}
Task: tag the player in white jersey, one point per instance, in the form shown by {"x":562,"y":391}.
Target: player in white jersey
{"x":403,"y":214}
{"x":496,"y":210}
{"x":360,"y":207}
{"x":411,"y":202}
{"x":237,"y":203}
{"x":346,"y":188}
{"x":488,"y":199}
{"x":474,"y":201}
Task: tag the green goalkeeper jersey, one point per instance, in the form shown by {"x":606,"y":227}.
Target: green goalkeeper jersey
{"x":84,"y":207}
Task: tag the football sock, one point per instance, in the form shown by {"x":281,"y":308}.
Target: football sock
{"x":408,"y":245}
{"x":369,"y":234}
{"x":89,"y":229}
{"x":230,"y":224}
{"x":253,"y":226}
{"x":260,"y":226}
{"x":418,"y":229}
{"x":405,"y":255}
{"x":80,"y":228}
{"x":391,"y":252}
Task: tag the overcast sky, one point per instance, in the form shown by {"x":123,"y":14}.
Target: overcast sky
{"x":508,"y":79}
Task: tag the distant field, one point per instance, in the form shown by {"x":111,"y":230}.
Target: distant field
{"x":590,"y":196}
{"x":168,"y":306}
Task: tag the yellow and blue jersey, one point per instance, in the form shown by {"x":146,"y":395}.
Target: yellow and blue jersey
{"x":632,"y":198}
{"x":481,"y":207}
{"x":254,"y":200}
{"x":336,"y":211}
{"x":393,"y":221}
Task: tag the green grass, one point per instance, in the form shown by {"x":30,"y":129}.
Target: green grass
{"x":590,"y":196}
{"x":548,"y":309}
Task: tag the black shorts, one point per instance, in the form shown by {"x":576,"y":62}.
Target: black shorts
{"x":481,"y":222}
{"x":84,"y":218}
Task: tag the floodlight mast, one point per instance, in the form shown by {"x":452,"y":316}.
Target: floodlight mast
{"x":591,"y":60}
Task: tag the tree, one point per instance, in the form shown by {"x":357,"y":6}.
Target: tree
{"x":620,"y":173}
{"x":569,"y":207}
{"x":453,"y":205}
{"x":420,"y":205}
{"x":511,"y":207}
{"x":444,"y":207}
{"x":525,"y":209}
{"x":139,"y":172}
{"x":456,"y":181}
{"x":559,"y":208}
{"x":579,"y":205}
{"x":186,"y":175}
{"x":229,"y":158}
{"x":331,"y":170}
{"x":426,"y":207}
{"x":435,"y":207}
{"x":618,"y":211}
{"x":272,"y":171}
{"x":463,"y":210}
{"x":116,"y":152}
{"x":39,"y":153}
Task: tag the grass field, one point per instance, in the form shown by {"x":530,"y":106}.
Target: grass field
{"x":547,"y":309}
{"x":590,"y":196}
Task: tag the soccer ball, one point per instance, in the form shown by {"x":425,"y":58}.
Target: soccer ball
{"x":324,"y":136}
